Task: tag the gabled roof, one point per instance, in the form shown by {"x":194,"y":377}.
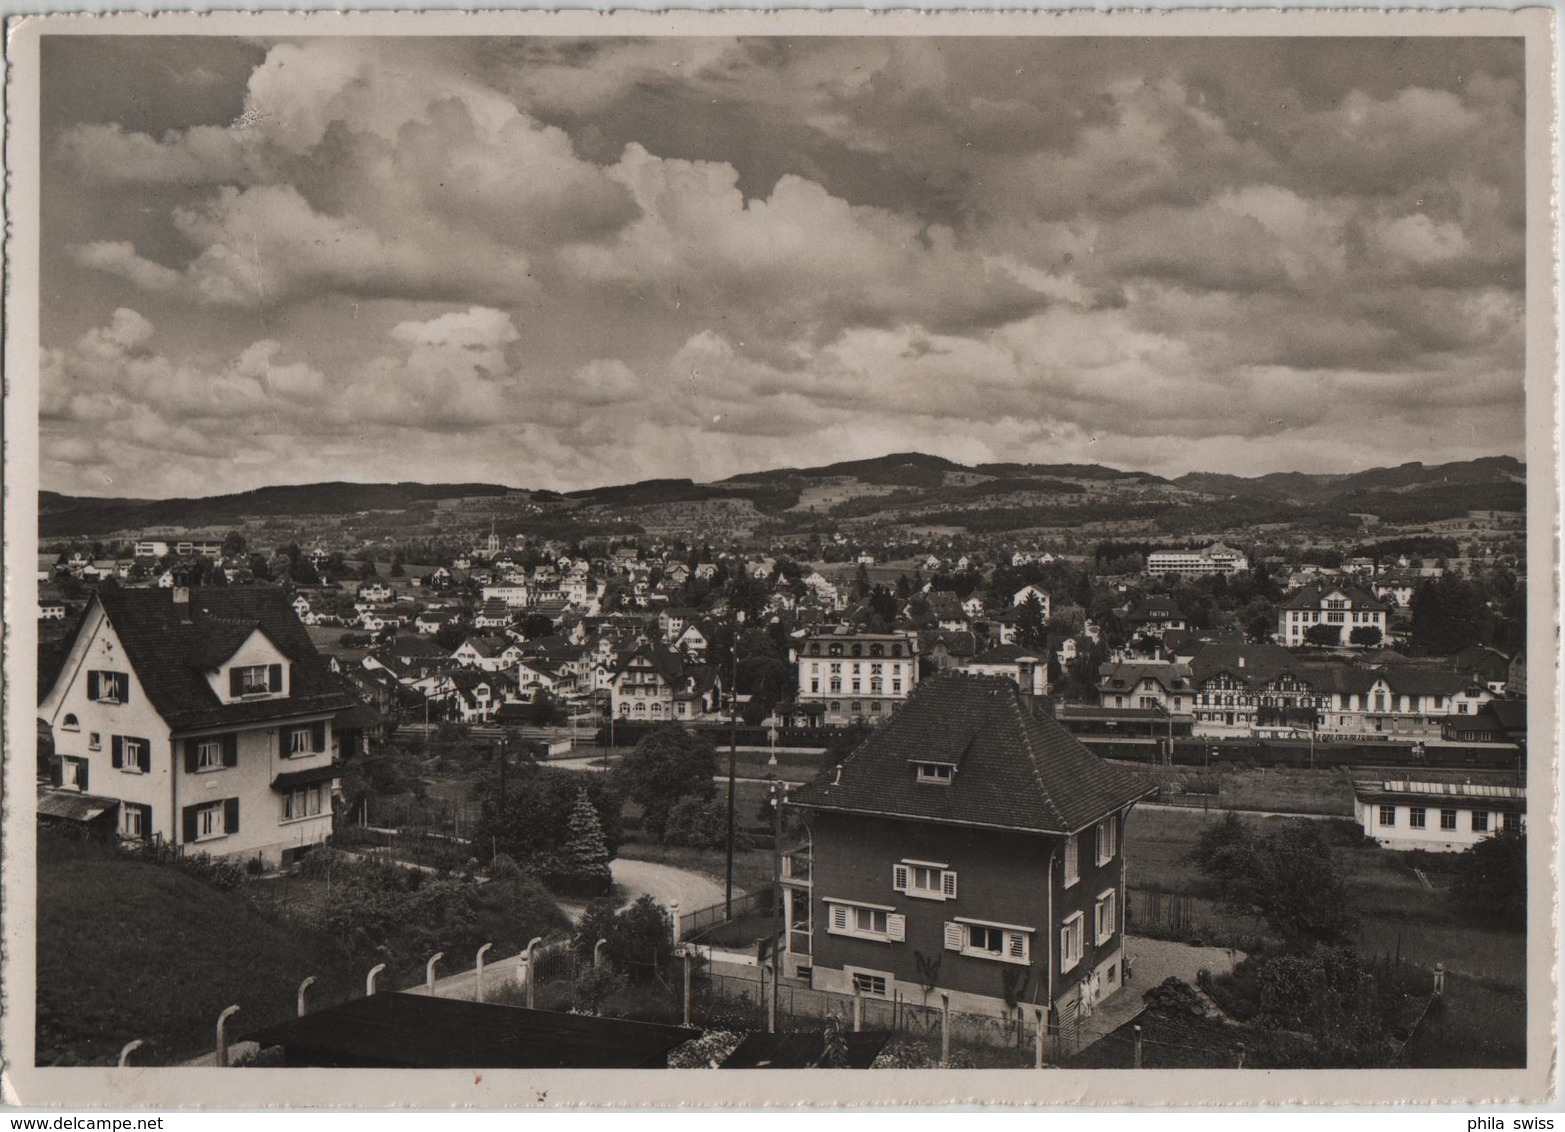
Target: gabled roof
{"x":958,"y":642}
{"x":1016,"y":769}
{"x":1008,"y":654}
{"x":171,"y":656}
{"x":1128,"y":676}
{"x":1311,"y":596}
{"x":665,"y":662}
{"x":409,"y":645}
{"x":1253,"y":664}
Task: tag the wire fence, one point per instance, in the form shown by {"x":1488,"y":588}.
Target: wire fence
{"x":693,"y":924}
{"x":743,"y":1000}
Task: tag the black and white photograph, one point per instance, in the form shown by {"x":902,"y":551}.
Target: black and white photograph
{"x":614,"y":543}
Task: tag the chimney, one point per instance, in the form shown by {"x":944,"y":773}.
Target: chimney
{"x":182,"y":602}
{"x":1027,"y":676}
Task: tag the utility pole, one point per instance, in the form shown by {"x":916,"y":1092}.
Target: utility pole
{"x":733,"y":754}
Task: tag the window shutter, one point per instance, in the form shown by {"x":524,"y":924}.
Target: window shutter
{"x":192,"y":755}
{"x":117,"y":752}
{"x":81,"y":775}
{"x":1016,"y":945}
{"x":839,"y":918}
{"x":125,"y":689}
{"x":948,"y":885}
{"x":233,"y":682}
{"x":1110,"y":916}
{"x":57,"y":771}
{"x":899,"y":875}
{"x":318,"y":736}
{"x":954,"y":936}
{"x":92,"y":685}
{"x":230,"y":815}
{"x":896,"y":927}
{"x":231,"y":750}
{"x":144,"y":756}
{"x":285,"y":741}
{"x":274,"y":678}
{"x":146,"y":823}
{"x":188,"y":819}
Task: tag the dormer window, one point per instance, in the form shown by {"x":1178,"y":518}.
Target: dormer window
{"x":255,"y":679}
{"x":939,"y":774}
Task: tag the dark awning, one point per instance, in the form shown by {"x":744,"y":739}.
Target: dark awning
{"x":293,"y":779}
{"x":70,"y":805}
{"x":416,"y":1031}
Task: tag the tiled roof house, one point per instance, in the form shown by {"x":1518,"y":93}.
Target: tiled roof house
{"x":973,"y":838}
{"x":205,"y":715}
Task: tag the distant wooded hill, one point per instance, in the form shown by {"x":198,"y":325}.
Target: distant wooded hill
{"x":67,"y":515}
{"x":922,"y":489}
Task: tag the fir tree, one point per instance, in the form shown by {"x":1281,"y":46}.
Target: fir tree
{"x":584,"y":858}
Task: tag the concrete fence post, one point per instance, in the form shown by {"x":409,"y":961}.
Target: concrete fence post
{"x":369,"y":980}
{"x":945,"y":1030}
{"x":686,"y":952}
{"x":309,"y":981}
{"x":597,"y":952}
{"x":129,"y":1048}
{"x":222,"y":1035}
{"x":1241,"y":1056}
{"x":532,"y":971}
{"x":673,"y":911}
{"x":1042,"y":1033}
{"x":1136,"y":1063}
{"x":769,"y":969}
{"x":1439,"y":978}
{"x":478,"y":973}
{"x":858,"y":1007}
{"x":429,"y":971}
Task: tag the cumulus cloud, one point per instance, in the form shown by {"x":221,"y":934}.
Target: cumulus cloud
{"x":594,"y":260}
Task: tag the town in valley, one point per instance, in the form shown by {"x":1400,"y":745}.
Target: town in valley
{"x":883,"y":549}
{"x":894,"y":762}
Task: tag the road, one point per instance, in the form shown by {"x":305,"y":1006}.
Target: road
{"x":591,"y":765}
{"x":666,"y":884}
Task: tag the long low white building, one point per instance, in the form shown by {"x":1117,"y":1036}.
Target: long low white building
{"x":1441,"y":817}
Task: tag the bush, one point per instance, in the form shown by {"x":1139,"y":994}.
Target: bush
{"x":1490,"y":885}
{"x":703,"y":825}
{"x":640,"y":939}
{"x":595,"y":984}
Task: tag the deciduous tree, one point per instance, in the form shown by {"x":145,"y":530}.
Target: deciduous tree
{"x":668,"y":764}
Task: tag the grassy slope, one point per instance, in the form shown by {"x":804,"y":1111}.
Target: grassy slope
{"x":131,"y":950}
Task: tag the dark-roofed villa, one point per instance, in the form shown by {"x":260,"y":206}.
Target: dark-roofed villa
{"x":970,"y":847}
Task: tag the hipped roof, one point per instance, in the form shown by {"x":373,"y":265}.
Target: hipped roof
{"x":1017,"y":769}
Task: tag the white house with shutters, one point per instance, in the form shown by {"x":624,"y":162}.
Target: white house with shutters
{"x":203,"y":716}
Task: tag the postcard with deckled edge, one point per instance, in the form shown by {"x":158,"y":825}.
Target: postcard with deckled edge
{"x":639,"y":558}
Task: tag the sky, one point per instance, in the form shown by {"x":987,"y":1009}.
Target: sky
{"x":564,"y":263}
